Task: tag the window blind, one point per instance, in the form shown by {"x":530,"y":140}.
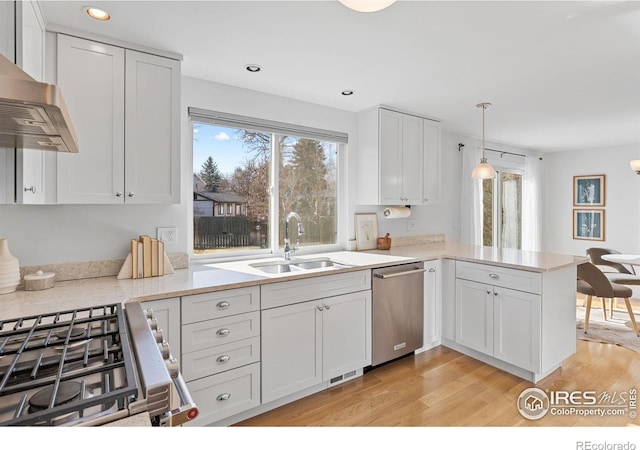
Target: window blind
{"x":270,"y":126}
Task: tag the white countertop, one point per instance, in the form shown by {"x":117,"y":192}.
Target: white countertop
{"x":213,"y":277}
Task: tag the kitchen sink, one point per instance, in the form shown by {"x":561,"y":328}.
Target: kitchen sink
{"x":296,"y":265}
{"x":316,"y":264}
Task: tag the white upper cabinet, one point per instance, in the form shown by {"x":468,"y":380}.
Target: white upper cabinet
{"x":152,"y":123}
{"x":397,"y":152}
{"x":124,"y":106}
{"x":432,"y":167}
{"x":30,"y":39}
{"x":22,"y":33}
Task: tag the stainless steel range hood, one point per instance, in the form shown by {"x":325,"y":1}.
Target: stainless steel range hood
{"x":33,"y":115}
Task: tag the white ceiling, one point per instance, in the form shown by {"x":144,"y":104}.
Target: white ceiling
{"x":560,"y":75}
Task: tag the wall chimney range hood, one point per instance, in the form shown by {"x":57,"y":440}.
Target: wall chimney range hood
{"x":33,"y":115}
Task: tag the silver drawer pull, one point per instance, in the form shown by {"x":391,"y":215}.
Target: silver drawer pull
{"x":432,"y":270}
{"x":223,"y":358}
{"x":223,"y":305}
{"x":225,"y":396}
{"x":398,"y":274}
{"x":223,"y":332}
{"x":495,"y":276}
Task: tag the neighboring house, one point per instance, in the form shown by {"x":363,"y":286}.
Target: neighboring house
{"x":217,"y":204}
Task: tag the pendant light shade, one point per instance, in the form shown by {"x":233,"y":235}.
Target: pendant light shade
{"x":367,"y":5}
{"x":635,"y":166}
{"x":483,"y":170}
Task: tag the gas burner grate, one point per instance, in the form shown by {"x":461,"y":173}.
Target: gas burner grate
{"x":86,"y":348}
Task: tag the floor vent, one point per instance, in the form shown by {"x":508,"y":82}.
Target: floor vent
{"x":343,"y":377}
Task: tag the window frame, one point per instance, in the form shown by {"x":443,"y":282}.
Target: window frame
{"x":197,"y":115}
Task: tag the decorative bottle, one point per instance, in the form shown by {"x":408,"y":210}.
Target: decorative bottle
{"x":9,"y":269}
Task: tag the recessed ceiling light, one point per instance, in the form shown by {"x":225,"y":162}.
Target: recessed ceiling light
{"x":97,"y":13}
{"x":253,"y":68}
{"x":347,"y":92}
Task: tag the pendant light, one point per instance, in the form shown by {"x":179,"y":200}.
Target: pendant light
{"x":483,"y":170}
{"x":367,"y":5}
{"x":635,"y":166}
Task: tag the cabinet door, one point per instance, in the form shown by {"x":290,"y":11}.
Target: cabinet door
{"x":152,"y":141}
{"x":432,"y":172}
{"x":412,"y":160}
{"x":474,"y":315}
{"x":432,"y":304}
{"x":517,"y":328}
{"x":390,"y":142}
{"x":346,"y":334}
{"x":167,"y":312}
{"x":291,"y":349}
{"x":91,"y":76}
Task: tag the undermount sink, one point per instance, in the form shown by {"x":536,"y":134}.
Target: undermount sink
{"x":296,"y":265}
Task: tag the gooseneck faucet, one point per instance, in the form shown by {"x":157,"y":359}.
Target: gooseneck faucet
{"x":288,"y":250}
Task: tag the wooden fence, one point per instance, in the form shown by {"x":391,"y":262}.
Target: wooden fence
{"x":224,"y":232}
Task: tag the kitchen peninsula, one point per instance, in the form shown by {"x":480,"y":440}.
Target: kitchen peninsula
{"x":511,"y":309}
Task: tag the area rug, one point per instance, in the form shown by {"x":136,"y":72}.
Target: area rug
{"x":616,"y":331}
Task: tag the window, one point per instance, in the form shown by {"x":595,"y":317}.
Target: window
{"x":502,"y":209}
{"x":262,"y":170}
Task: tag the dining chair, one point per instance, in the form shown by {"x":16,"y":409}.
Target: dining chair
{"x":595,"y":255}
{"x":592,"y":282}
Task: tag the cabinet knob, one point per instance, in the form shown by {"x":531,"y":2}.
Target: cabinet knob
{"x":223,"y":305}
{"x":223,"y":358}
{"x":426,"y":200}
{"x":223,"y":332}
{"x":489,"y":292}
{"x":131,"y":194}
{"x":320,"y":308}
{"x":495,"y":293}
{"x":31,"y":189}
{"x":327,"y":307}
{"x":118,"y":194}
{"x":432,"y":270}
{"x":222,"y":397}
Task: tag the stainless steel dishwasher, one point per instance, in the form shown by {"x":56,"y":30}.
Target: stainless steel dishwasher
{"x":398,"y":305}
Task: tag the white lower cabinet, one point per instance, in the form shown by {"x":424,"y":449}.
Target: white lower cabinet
{"x":221,"y":352}
{"x":223,"y":395}
{"x":498,"y":321}
{"x":432,"y":304}
{"x":307,"y":343}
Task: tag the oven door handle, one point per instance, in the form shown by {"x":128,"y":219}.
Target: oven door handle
{"x":399,"y":274}
{"x":188,"y":409}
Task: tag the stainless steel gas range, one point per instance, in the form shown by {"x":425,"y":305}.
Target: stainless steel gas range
{"x":89,"y":366}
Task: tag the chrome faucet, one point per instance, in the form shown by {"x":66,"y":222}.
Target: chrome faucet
{"x":288,"y":250}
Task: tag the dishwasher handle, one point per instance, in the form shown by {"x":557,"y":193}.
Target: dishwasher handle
{"x":398,"y":274}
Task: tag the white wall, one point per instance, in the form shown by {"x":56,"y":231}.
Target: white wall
{"x":73,"y":233}
{"x":622,"y":206}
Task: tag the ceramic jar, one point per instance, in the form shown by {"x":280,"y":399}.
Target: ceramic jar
{"x":9,"y":269}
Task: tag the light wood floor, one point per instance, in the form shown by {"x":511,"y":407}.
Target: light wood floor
{"x":442,"y":387}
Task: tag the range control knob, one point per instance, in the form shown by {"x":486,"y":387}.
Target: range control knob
{"x":157,"y":334}
{"x":153,"y":323}
{"x":164,"y":350}
{"x":173,"y":367}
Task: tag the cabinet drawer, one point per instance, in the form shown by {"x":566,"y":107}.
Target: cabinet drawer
{"x":220,"y":358}
{"x":289,"y":292}
{"x":213,"y":305}
{"x":221,"y":396}
{"x":201,"y":335}
{"x":519,"y":280}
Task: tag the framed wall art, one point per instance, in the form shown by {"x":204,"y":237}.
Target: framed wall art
{"x":366,"y":231}
{"x":589,"y":190}
{"x":588,"y":224}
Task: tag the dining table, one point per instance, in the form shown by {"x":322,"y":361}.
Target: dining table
{"x":622,"y":258}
